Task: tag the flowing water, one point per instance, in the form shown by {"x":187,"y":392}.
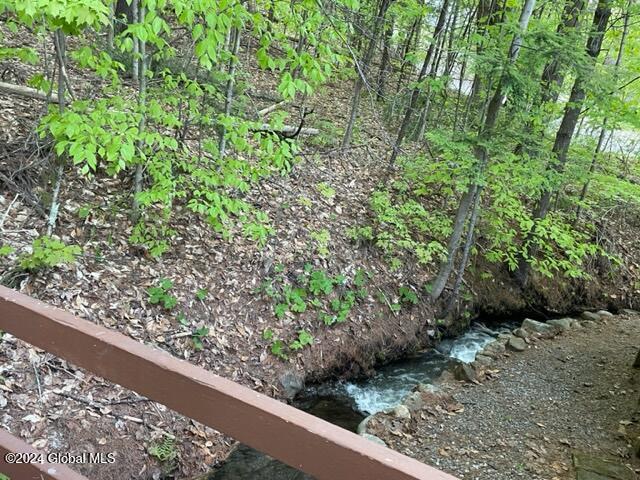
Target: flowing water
{"x":392,"y":382}
{"x":347,"y":403}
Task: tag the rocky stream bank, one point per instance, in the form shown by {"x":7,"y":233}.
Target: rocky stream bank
{"x":548,"y":401}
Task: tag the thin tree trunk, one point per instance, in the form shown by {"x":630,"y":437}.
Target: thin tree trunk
{"x":111,"y":28}
{"x":60,"y":47}
{"x":385,"y":65}
{"x":433,"y":73}
{"x":362,"y":70}
{"x":592,"y":167}
{"x":603,"y":129}
{"x":228,"y":101}
{"x":567,"y":127}
{"x":486,"y":17}
{"x":466,"y":251}
{"x":552,"y":74}
{"x":142,"y":102}
{"x":482,"y":158}
{"x":574,"y":105}
{"x":135,"y":66}
{"x":415,"y":94}
{"x":413,"y":34}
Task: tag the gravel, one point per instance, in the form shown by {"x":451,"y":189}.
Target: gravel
{"x":576,"y":392}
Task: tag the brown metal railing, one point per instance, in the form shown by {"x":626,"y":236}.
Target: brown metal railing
{"x":296,"y":438}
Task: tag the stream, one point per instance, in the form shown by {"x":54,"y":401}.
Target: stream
{"x":347,"y":403}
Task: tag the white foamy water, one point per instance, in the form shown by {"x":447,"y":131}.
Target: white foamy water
{"x":393,"y":382}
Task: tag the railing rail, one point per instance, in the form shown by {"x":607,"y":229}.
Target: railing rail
{"x":36,"y":470}
{"x":296,"y":438}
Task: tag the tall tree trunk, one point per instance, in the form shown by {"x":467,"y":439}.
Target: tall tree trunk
{"x":362,"y":70}
{"x":413,"y":37}
{"x":433,"y":73}
{"x":385,"y":65}
{"x":471,"y":198}
{"x":415,"y":94}
{"x":135,"y":66}
{"x":487,"y":15}
{"x":228,"y":100}
{"x":603,"y":129}
{"x":552,"y":74}
{"x":565,"y":132}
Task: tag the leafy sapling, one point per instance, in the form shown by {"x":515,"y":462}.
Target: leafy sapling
{"x":160,"y":294}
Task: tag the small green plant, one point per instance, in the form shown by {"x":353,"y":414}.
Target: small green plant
{"x":407,"y":295}
{"x":164,"y":450}
{"x":325,"y":190}
{"x":360,"y":234}
{"x":320,"y":283}
{"x":84,"y":212}
{"x":333,"y":296}
{"x":6,"y":250}
{"x":267,"y":334}
{"x":154,"y":238}
{"x":305,"y":201}
{"x":321,"y":239}
{"x":201,"y":294}
{"x":304,"y":339}
{"x":48,"y":252}
{"x":160,"y":294}
{"x":278,"y":348}
{"x":182,"y":319}
{"x":197,"y":335}
{"x":341,"y":306}
{"x":294,"y":298}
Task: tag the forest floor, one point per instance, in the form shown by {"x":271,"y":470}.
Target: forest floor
{"x":576,"y":392}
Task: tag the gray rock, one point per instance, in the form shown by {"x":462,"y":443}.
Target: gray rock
{"x":503,"y":338}
{"x":401,"y":412}
{"x":604,"y":313}
{"x":373,"y":439}
{"x":589,"y":324}
{"x":521,"y":332}
{"x":590,"y":467}
{"x":561,"y":323}
{"x":594,"y":317}
{"x":292,"y":383}
{"x":494,"y":349}
{"x":482,"y":361}
{"x":628,"y":311}
{"x":535,"y":326}
{"x":414,"y":401}
{"x":465,"y":372}
{"x":517,"y":344}
{"x":428,"y":388}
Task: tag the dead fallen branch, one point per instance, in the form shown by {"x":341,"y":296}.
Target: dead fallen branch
{"x":268,"y":110}
{"x":22,"y":91}
{"x":286,"y":130}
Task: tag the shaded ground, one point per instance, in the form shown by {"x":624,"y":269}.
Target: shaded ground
{"x":577,"y":392}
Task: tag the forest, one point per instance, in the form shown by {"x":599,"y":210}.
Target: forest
{"x":290,"y":192}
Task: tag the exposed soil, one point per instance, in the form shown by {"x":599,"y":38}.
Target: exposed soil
{"x":576,"y":392}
